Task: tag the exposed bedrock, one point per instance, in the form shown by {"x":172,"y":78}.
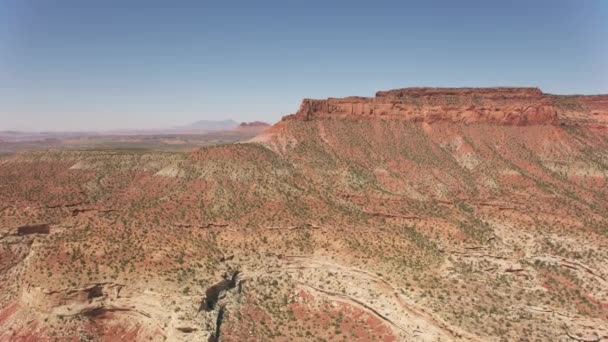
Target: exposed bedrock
{"x":214,"y":293}
{"x":504,"y":106}
{"x":217,"y":299}
{"x":215,"y":336}
{"x":68,"y":301}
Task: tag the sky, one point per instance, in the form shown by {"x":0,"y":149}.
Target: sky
{"x":104,"y":65}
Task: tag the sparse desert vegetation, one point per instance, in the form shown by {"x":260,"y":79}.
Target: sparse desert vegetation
{"x":322,"y":229}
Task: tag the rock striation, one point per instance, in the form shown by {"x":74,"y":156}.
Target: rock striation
{"x":503,"y":106}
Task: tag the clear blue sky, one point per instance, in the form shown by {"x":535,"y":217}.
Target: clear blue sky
{"x":73,"y":65}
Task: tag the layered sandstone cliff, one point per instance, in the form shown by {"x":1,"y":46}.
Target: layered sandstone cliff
{"x":506,"y":106}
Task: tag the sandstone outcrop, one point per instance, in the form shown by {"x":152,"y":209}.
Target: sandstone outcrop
{"x":69,"y":301}
{"x":503,"y":106}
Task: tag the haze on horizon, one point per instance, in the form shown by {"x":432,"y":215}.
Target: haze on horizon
{"x":73,"y":65}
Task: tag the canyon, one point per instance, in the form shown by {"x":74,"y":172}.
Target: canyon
{"x":420,"y":214}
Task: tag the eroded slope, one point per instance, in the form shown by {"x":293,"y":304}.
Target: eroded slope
{"x":322,"y":229}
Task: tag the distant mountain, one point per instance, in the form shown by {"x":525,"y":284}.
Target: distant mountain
{"x":211,"y":125}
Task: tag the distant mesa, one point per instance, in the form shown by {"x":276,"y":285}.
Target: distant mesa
{"x":254,"y":124}
{"x":504,"y":106}
{"x":223,"y":125}
{"x":211,"y":125}
{"x":255,"y":127}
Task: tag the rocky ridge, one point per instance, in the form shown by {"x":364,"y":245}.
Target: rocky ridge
{"x":504,"y":106}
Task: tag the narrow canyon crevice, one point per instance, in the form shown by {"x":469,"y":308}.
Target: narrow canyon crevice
{"x":215,"y":337}
{"x":215,"y":292}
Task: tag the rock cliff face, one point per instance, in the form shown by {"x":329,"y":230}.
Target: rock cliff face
{"x":504,"y":106}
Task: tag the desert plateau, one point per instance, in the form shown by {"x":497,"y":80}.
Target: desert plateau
{"x":418,"y":214}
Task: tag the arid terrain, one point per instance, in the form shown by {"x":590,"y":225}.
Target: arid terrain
{"x":181,"y":139}
{"x":420,"y":214}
